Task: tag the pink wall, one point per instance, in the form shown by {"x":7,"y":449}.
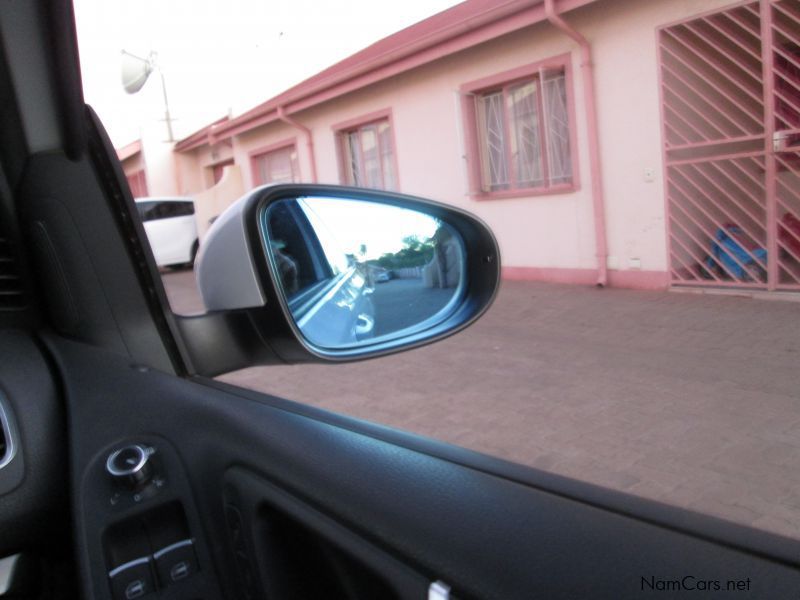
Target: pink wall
{"x":545,"y":236}
{"x":133,"y":163}
{"x":160,"y":160}
{"x":623,"y":34}
{"x":195,"y":167}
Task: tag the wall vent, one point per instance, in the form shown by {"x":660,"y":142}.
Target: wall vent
{"x":13,"y":295}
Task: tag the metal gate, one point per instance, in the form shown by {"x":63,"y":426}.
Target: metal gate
{"x":730,"y":94}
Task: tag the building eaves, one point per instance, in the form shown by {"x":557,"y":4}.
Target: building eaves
{"x":129,"y":150}
{"x":448,"y":32}
{"x":201,"y":137}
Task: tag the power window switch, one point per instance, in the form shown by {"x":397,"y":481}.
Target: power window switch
{"x":176,"y":562}
{"x":132,"y":580}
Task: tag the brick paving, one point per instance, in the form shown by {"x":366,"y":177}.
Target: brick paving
{"x":688,"y":399}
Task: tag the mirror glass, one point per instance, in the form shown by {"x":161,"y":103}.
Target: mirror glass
{"x":356,"y":272}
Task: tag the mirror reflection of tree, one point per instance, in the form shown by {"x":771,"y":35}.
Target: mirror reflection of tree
{"x":444,"y":271}
{"x":435,"y":260}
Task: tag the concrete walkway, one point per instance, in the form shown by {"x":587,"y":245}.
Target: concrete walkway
{"x":692,"y":400}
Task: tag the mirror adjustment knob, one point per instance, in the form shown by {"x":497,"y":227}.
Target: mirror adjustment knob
{"x":130,"y":466}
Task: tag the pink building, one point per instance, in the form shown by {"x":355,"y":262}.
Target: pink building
{"x":624,"y":142}
{"x":134,"y":167}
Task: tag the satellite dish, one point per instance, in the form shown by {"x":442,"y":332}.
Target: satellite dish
{"x":135,"y":72}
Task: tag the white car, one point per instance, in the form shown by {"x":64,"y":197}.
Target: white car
{"x":171,"y":229}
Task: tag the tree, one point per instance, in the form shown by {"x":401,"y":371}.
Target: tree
{"x":414,"y":253}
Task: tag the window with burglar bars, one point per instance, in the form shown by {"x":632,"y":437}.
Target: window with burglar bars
{"x":368,"y":155}
{"x":521,"y":124}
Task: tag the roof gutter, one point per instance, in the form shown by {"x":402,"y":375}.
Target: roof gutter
{"x":590,"y":101}
{"x":309,"y":140}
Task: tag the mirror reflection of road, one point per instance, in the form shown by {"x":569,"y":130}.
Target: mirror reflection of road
{"x":400,"y":303}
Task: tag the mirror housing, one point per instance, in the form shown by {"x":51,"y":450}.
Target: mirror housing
{"x":249,"y":321}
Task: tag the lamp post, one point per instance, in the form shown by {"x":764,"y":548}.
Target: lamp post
{"x":135,"y":71}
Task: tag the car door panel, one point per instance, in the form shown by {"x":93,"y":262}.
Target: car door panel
{"x":285,"y":548}
{"x":80,"y":255}
{"x":485,"y":535}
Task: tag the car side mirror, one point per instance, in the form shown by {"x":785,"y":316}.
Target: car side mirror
{"x":293,"y":273}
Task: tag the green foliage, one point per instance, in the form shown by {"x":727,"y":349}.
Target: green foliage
{"x":414,"y":253}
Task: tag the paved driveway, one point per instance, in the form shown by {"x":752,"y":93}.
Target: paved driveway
{"x":692,"y":400}
{"x":401,"y":303}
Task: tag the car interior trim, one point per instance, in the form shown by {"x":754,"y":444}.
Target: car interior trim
{"x":171,"y":547}
{"x":8,"y":435}
{"x":65,"y":65}
{"x":439,"y":591}
{"x":112,"y":179}
{"x":8,"y":568}
{"x":27,"y":59}
{"x":111,"y":465}
{"x":129,"y":565}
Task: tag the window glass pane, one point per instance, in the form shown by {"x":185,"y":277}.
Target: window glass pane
{"x":353,"y":149}
{"x":526,"y":142}
{"x":145,"y":210}
{"x":387,"y":155}
{"x":261,"y":170}
{"x":693,"y":406}
{"x":372,"y":163}
{"x":277,"y":166}
{"x":557,"y":128}
{"x":185,"y":209}
{"x":280,"y":166}
{"x":368,"y":152}
{"x":493,"y":140}
{"x":157,"y":212}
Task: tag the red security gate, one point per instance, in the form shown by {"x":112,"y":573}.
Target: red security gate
{"x":730,"y":91}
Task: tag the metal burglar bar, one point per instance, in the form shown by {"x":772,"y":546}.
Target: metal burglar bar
{"x":730,"y":91}
{"x":784,"y":62}
{"x":713,"y":120}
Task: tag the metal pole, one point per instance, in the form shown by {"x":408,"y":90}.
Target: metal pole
{"x":167,"y":117}
{"x":770,"y":171}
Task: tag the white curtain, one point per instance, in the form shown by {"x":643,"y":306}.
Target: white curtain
{"x":353,"y":153}
{"x":557,"y":127}
{"x":387,"y":155}
{"x":494,"y":141}
{"x":526,"y":143}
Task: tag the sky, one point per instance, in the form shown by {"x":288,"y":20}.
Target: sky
{"x":379,"y":227}
{"x":221,"y":57}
